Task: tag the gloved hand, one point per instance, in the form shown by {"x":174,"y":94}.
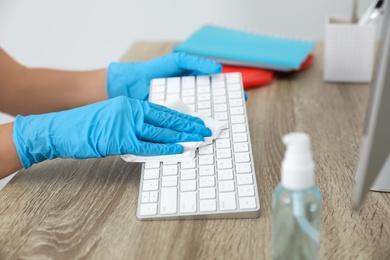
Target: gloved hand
{"x":132,"y":79}
{"x":117,"y":126}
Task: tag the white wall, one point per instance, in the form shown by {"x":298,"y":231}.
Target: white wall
{"x":86,"y":34}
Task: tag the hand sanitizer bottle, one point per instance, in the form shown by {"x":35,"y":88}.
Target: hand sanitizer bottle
{"x":296,"y":203}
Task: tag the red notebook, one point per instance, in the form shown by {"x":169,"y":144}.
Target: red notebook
{"x":251,"y":77}
{"x":255,"y":77}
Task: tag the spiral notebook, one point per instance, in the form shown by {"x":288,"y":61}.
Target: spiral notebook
{"x":234,"y":47}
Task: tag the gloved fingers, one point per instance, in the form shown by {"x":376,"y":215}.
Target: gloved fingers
{"x":167,"y":120}
{"x":155,"y":134}
{"x":175,"y":113}
{"x":152,"y":149}
{"x":197,"y":65}
{"x":181,"y":64}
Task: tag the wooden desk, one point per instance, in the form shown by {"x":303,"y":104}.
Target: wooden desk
{"x":69,"y":209}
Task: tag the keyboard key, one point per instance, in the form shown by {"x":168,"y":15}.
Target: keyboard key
{"x":242,"y":157}
{"x":207,"y":205}
{"x":225,"y":174}
{"x":240,"y":147}
{"x":153,"y":196}
{"x":246,"y":190}
{"x":219,"y":92}
{"x":220,"y":108}
{"x":169,"y":181}
{"x":168,"y":201}
{"x":206,"y":159}
{"x":158,"y":88}
{"x":236,"y":102}
{"x":206,"y":170}
{"x":219,"y":100}
{"x":173,"y":97}
{"x":224,"y":153}
{"x":237,"y":111}
{"x":206,"y":112}
{"x":227,"y":201}
{"x":222,"y":143}
{"x":187,"y":202}
{"x":218,"y":84}
{"x":151,"y":174}
{"x":237,"y":119}
{"x":204,"y":97}
{"x":148,"y":209}
{"x":188,"y":185}
{"x":235,"y":86}
{"x":206,"y":182}
{"x":217,"y":78}
{"x":188,"y":165}
{"x":220,"y":116}
{"x":173,"y":85}
{"x":188,"y":174}
{"x":224,"y":186}
{"x":244,"y":179}
{"x":169,"y":170}
{"x":159,"y":81}
{"x":169,"y":163}
{"x":238,"y":128}
{"x":247,"y":203}
{"x":157,"y":97}
{"x":150,"y":185}
{"x":234,"y":94}
{"x":207,"y":193}
{"x":203,"y":89}
{"x":188,"y":92}
{"x":204,"y":104}
{"x":145,"y":197}
{"x":224,"y":164}
{"x":207,"y":149}
{"x":188,"y":82}
{"x":224,"y":134}
{"x":243,"y":168}
{"x":233,"y":78}
{"x":202,"y":80}
{"x":152,"y":165}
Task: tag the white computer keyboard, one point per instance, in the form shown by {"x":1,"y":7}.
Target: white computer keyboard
{"x":221,"y":181}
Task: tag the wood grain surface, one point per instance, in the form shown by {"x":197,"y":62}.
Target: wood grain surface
{"x":86,"y":209}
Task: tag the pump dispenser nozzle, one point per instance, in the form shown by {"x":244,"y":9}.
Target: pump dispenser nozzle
{"x":298,"y":164}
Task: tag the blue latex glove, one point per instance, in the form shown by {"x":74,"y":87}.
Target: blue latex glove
{"x":117,"y":126}
{"x":132,"y":79}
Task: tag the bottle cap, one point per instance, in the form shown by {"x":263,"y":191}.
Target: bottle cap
{"x":298,"y":164}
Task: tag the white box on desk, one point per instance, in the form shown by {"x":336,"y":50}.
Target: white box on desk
{"x":349,"y":51}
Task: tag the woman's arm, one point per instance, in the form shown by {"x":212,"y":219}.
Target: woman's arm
{"x":36,"y":91}
{"x":9,"y":159}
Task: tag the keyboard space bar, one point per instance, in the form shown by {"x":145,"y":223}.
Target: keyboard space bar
{"x":168,"y":203}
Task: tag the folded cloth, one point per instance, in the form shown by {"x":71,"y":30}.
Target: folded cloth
{"x":189,"y":147}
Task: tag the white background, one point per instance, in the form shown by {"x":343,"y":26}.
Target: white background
{"x":87,"y":34}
